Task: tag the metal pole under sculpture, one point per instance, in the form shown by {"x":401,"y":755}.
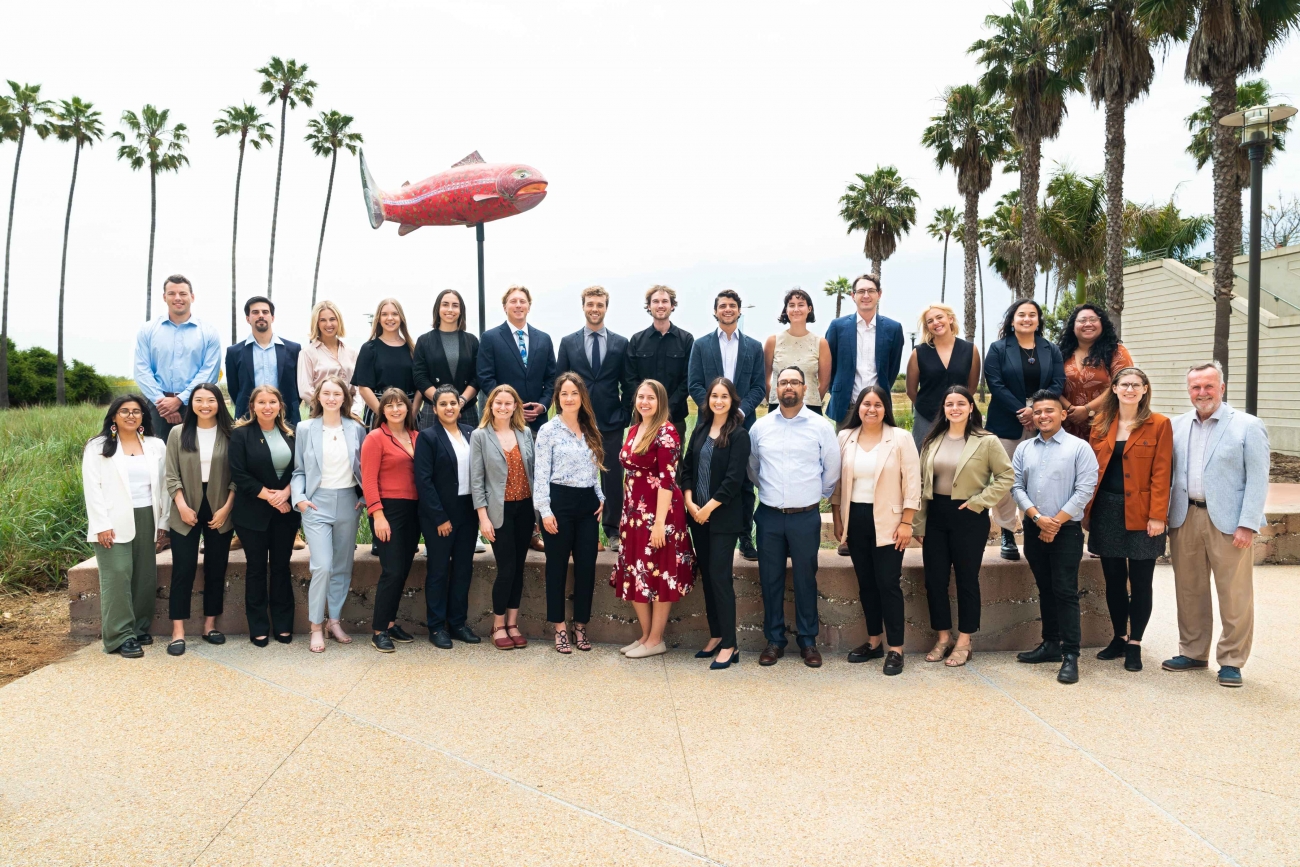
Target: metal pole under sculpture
{"x":482,"y":297}
{"x":1252,"y":297}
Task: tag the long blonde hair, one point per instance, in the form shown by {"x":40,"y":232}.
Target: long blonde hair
{"x":345,"y":411}
{"x":927,"y":337}
{"x":377,"y":327}
{"x":516,"y":420}
{"x":1110,"y":406}
{"x":252,"y":401}
{"x":314,"y":328}
{"x":647,"y":430}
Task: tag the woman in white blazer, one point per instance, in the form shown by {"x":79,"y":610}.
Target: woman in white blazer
{"x":123,"y":473}
{"x":326,"y":489}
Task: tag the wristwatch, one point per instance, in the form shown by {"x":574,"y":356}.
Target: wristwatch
{"x":1035,"y":518}
{"x":1091,"y":413}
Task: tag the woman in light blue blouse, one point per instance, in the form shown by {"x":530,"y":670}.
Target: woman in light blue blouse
{"x":567,"y":493}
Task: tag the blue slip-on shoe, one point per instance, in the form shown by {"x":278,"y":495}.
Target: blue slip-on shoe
{"x":1184,"y":663}
{"x":1229,"y":675}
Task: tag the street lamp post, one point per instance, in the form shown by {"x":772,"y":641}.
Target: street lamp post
{"x":1256,"y":134}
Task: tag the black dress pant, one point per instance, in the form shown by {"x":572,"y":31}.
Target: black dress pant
{"x":449,"y":569}
{"x":510,"y":550}
{"x":611,"y":483}
{"x":395,"y":558}
{"x":268,"y":591}
{"x":185,"y":565}
{"x":578,"y":533}
{"x":880,"y":573}
{"x":954,"y":542}
{"x":1055,"y":566}
{"x":1128,"y":606}
{"x":715,"y":554}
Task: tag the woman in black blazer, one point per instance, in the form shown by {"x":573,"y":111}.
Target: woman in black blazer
{"x":447,"y":355}
{"x":711,"y":476}
{"x":261,"y":466}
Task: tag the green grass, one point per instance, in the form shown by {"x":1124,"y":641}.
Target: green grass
{"x":42,"y":511}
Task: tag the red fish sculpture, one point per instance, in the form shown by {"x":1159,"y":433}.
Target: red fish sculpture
{"x":472,"y":191}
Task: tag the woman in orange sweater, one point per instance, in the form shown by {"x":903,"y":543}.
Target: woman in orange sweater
{"x":1126,"y":518}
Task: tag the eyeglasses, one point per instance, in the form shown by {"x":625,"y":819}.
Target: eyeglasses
{"x":130,"y":413}
{"x":1087,"y":320}
{"x":788,"y":383}
{"x":1130,"y":386}
{"x":857,"y":292}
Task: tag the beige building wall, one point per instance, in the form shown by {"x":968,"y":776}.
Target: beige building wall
{"x":1168,"y":325}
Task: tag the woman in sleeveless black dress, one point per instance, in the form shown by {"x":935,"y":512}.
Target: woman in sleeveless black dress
{"x":928,"y":378}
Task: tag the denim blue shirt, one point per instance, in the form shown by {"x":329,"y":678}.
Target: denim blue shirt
{"x":1054,"y":475}
{"x":562,"y":457}
{"x":265,"y":369}
{"x":175,"y":357}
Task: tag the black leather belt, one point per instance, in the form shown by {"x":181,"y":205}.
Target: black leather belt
{"x":1200,"y":503}
{"x":794,"y":511}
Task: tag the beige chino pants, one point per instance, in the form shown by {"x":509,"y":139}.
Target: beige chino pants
{"x":1198,"y":549}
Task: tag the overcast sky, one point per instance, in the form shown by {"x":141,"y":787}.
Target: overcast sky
{"x":701,"y":145}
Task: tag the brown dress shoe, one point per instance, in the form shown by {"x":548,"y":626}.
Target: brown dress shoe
{"x":811,"y":657}
{"x":536,"y":544}
{"x":771,"y":654}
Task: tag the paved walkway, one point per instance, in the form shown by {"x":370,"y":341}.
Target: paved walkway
{"x":239,"y":755}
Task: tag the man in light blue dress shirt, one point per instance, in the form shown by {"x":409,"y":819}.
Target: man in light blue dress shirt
{"x":174,"y":355}
{"x":795,"y":461}
{"x":1056,"y":474}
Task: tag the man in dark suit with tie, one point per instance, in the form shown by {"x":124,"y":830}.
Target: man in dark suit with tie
{"x":518,"y":355}
{"x":263,"y":359}
{"x":597,"y":355}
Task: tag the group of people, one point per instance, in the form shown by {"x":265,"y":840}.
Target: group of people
{"x":1070,"y":443}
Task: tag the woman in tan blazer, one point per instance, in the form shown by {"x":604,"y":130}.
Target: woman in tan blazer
{"x":964,"y":472}
{"x":879,"y":491}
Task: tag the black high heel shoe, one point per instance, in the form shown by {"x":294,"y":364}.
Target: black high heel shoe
{"x":284,"y":639}
{"x":735,"y":657}
{"x":260,"y":642}
{"x":707,"y":654}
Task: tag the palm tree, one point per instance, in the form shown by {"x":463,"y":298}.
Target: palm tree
{"x":288,"y":83}
{"x":1029,"y":61}
{"x":837,"y":289}
{"x":78,"y":122}
{"x":23,"y":109}
{"x":1228,"y":38}
{"x":1001,"y":234}
{"x":329,"y":132}
{"x":162,"y":150}
{"x":1117,"y":44}
{"x":1074,"y":225}
{"x":246,"y":122}
{"x":941,"y":229}
{"x":883,"y":206}
{"x":1164,"y":230}
{"x":970,"y":135}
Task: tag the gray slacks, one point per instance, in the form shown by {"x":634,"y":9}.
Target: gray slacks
{"x":331,"y":533}
{"x":920,"y":427}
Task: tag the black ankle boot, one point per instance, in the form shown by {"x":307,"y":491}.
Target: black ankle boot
{"x":1009,"y":549}
{"x":1114,"y":650}
{"x":1133,"y":657}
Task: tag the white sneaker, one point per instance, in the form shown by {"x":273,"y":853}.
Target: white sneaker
{"x":611,"y":544}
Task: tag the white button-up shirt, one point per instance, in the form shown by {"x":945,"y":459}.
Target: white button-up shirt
{"x":794,"y":461}
{"x":729,"y":346}
{"x":1200,"y":439}
{"x":866,"y":365}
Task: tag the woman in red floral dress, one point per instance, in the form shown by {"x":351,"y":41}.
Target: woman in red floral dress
{"x":656,"y":565}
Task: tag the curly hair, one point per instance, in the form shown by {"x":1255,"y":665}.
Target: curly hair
{"x":1102,"y":351}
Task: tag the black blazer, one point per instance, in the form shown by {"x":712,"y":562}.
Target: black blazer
{"x":1006,"y":378}
{"x":437,"y":481}
{"x":429,"y":367}
{"x":239,"y":377}
{"x":251,"y":470}
{"x":726,"y":475}
{"x":499,"y":364}
{"x":607,"y":390}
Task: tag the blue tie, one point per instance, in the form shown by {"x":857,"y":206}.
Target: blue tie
{"x":523,"y":347}
{"x":595,"y":355}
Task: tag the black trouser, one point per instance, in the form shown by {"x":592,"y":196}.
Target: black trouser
{"x":510,"y":550}
{"x":395,"y":557}
{"x":611,"y":483}
{"x":162,"y":427}
{"x":1055,"y":566}
{"x":274,"y":545}
{"x":880,"y":573}
{"x":954,"y":542}
{"x":1124,"y":608}
{"x":449,"y":569}
{"x":578,"y":533}
{"x":185,"y":565}
{"x":715,"y":553}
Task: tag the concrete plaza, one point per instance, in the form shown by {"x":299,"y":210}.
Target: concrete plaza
{"x":238,"y":755}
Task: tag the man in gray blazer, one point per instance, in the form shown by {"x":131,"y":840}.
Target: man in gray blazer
{"x":1216,"y":506}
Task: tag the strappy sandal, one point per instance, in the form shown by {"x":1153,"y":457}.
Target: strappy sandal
{"x":960,"y":656}
{"x":940,"y":652}
{"x":580,"y":637}
{"x":504,"y":643}
{"x":562,"y":641}
{"x":317,"y":641}
{"x":337,"y":633}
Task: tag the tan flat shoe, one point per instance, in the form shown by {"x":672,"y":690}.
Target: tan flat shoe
{"x":960,"y":656}
{"x":633,"y":646}
{"x":940,"y":652}
{"x":641,"y":651}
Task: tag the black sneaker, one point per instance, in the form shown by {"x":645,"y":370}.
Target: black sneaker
{"x":1009,"y":549}
{"x":130,"y":649}
{"x":144,"y":640}
{"x":465,"y":634}
{"x":747,"y":549}
{"x":1114,"y":650}
{"x":440,"y":639}
{"x":397,"y":633}
{"x":382,"y":643}
{"x":893,"y":663}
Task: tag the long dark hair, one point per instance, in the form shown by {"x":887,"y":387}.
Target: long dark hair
{"x":189,"y":437}
{"x":852,"y":419}
{"x":734,"y":418}
{"x":974,"y":424}
{"x":1009,"y":318}
{"x":110,"y":419}
{"x":1102,"y":352}
{"x":586,"y":415}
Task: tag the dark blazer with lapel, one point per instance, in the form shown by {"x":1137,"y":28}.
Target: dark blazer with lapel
{"x":436,"y":478}
{"x":1006,"y":378}
{"x":706,"y":366}
{"x":499,"y":364}
{"x":842,"y":337}
{"x":607,"y":390}
{"x":726,"y":477}
{"x":251,"y":469}
{"x":429,"y":366}
{"x":239,"y":377}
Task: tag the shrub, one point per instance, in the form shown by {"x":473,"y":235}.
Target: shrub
{"x":33,"y":375}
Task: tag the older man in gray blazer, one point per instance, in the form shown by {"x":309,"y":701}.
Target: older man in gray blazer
{"x":1216,"y":506}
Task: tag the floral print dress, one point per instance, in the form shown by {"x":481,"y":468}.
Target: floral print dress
{"x":644,"y":573}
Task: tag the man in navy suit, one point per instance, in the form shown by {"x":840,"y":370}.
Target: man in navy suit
{"x":866,"y":348}
{"x":263,"y":358}
{"x":597,"y":355}
{"x":518,"y":355}
{"x":727,"y":352}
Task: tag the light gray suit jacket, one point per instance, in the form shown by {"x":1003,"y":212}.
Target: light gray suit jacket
{"x":487,"y":470}
{"x":309,"y":455}
{"x":1236,"y":471}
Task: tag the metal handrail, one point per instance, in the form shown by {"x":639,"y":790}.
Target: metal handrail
{"x":1245,"y":279}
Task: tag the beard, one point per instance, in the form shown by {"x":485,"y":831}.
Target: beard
{"x":790,"y":401}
